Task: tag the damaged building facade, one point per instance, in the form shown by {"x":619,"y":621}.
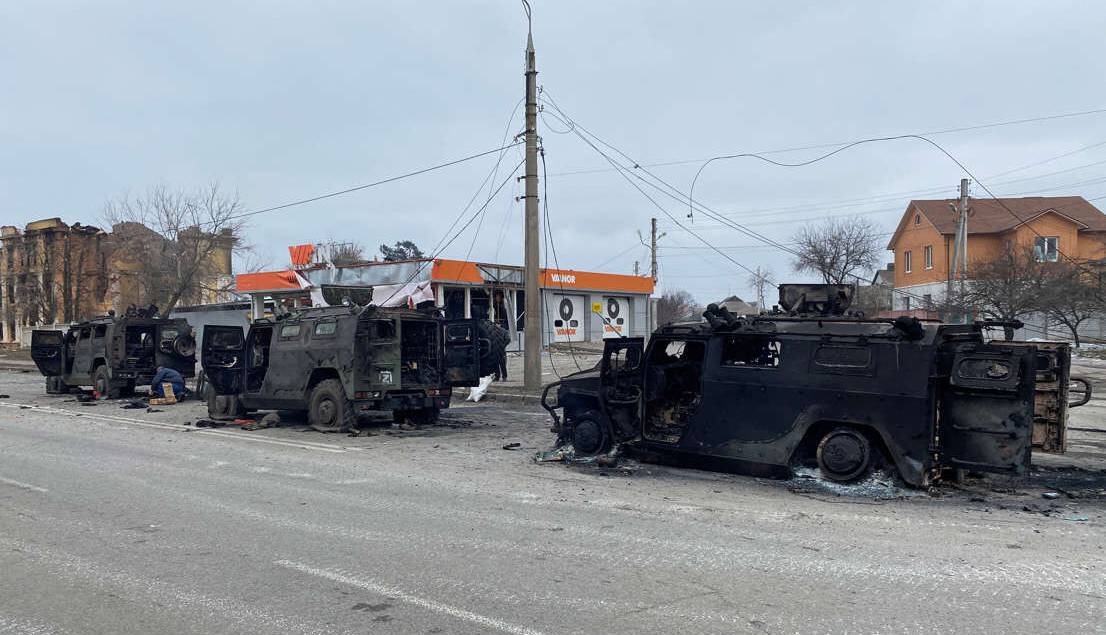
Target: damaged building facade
{"x":53,"y":274}
{"x":577,"y":306}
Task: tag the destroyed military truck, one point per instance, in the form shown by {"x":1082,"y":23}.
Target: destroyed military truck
{"x":811,"y":386}
{"x":334,"y":363}
{"x":113,"y":354}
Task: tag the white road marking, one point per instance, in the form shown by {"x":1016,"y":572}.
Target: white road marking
{"x":307,"y":445}
{"x":403,"y":596}
{"x":22,"y":485}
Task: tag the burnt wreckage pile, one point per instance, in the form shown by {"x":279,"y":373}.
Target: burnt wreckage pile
{"x":813,"y":385}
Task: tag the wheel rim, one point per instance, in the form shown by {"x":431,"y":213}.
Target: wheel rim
{"x":843,"y":454}
{"x":326,"y":411}
{"x":587,"y":436}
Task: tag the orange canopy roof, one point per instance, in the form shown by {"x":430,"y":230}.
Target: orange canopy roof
{"x":267,"y":281}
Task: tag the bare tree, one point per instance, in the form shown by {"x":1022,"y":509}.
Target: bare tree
{"x":175,"y":239}
{"x":760,"y":280}
{"x":839,"y":249}
{"x":339,"y":254}
{"x":403,"y":250}
{"x":1071,"y":295}
{"x":1006,"y":288}
{"x":676,"y":306}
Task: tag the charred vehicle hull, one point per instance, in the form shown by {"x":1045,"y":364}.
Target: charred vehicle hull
{"x":337,"y":362}
{"x":843,"y":395}
{"x":113,"y":355}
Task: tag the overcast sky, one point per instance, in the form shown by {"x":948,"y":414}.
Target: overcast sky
{"x":285,"y":102}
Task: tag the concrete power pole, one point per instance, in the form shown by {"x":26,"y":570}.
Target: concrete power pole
{"x":653,"y":249}
{"x":958,"y":269}
{"x":531,"y":285}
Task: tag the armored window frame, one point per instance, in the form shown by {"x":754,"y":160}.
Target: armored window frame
{"x":99,"y":331}
{"x":290,"y":331}
{"x":325,"y":329}
{"x":382,"y":334}
{"x":750,"y":351}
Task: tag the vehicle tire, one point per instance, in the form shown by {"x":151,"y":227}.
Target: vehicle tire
{"x":423,"y":416}
{"x":223,"y":407}
{"x":328,"y":408}
{"x":590,"y":435}
{"x":101,"y":382}
{"x":844,"y":454}
{"x":56,"y":386}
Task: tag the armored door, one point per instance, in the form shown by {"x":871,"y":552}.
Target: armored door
{"x":48,"y":352}
{"x":621,"y":377}
{"x":461,"y":354}
{"x":986,"y":412}
{"x":224,"y":358}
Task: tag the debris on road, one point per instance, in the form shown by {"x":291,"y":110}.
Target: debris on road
{"x":1050,"y":495}
{"x":270,"y":420}
{"x":134,"y":404}
{"x":512,"y":446}
{"x":208,"y":423}
{"x":5,"y":396}
{"x":1077,"y":518}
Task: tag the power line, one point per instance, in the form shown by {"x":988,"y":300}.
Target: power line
{"x":821,"y":146}
{"x":437,"y":251}
{"x":373,"y":184}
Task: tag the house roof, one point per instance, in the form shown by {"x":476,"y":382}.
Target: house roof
{"x":992,"y":216}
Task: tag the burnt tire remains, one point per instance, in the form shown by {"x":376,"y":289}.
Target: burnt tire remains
{"x":844,"y":454}
{"x":589,"y":434}
{"x":329,"y":410}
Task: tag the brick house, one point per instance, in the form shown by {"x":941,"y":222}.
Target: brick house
{"x":55,"y":273}
{"x":922,"y":242}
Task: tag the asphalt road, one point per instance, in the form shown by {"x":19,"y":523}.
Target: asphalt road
{"x":122,"y":521}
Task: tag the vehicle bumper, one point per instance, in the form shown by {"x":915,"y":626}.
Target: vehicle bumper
{"x":402,"y":402}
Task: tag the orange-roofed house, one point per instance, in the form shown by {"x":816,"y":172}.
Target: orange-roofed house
{"x":1056,"y":227}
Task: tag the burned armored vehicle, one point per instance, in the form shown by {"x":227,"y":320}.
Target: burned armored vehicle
{"x":334,"y":363}
{"x":815,"y":387}
{"x":113,"y":354}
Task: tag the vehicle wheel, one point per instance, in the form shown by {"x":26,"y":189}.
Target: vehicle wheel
{"x":56,"y":386}
{"x":223,"y":407}
{"x":423,"y":416}
{"x":101,"y":382}
{"x":844,"y":454}
{"x":329,"y":410}
{"x":590,"y":435}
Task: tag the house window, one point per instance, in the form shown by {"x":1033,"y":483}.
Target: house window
{"x":917,"y":219}
{"x":1047,"y":249}
{"x":908,"y":262}
{"x":929,"y":256}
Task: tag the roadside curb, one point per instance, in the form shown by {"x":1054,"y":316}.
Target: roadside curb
{"x":510,"y":397}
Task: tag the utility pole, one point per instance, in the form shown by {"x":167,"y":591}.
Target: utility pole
{"x":759,"y":283}
{"x":958,"y":269}
{"x":532,"y":331}
{"x":652,"y":246}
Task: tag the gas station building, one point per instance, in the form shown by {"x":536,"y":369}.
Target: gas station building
{"x":577,"y":306}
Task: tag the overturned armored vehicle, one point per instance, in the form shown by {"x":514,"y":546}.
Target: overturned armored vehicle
{"x":816,"y":387}
{"x":334,"y":363}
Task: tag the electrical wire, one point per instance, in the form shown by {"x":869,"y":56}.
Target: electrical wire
{"x":556,"y":262}
{"x":822,"y":146}
{"x":373,"y":184}
{"x":437,"y":252}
